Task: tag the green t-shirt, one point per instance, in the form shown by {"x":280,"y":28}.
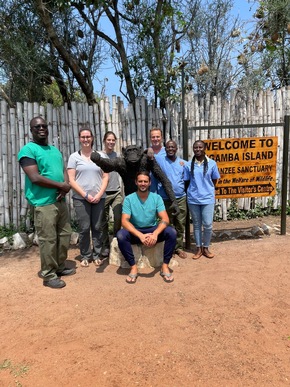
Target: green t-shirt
{"x":50,"y":164}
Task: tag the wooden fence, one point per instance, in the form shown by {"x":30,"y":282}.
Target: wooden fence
{"x":64,"y":124}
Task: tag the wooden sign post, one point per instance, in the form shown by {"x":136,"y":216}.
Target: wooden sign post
{"x":247,"y":166}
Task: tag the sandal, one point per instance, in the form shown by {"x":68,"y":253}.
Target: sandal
{"x":181,"y":254}
{"x":133,"y":278}
{"x":167,"y":277}
{"x":84,"y":263}
{"x":98,"y":262}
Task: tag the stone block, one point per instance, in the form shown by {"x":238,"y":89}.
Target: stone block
{"x":257,"y":231}
{"x":4,"y":244}
{"x":145,"y":257}
{"x":74,"y":238}
{"x":268,"y":230}
{"x":18,"y":242}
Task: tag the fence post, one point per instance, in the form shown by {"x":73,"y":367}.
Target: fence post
{"x":285,"y":174}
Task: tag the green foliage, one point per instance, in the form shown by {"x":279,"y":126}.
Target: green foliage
{"x":52,"y":94}
{"x":24,"y":64}
{"x":213,"y":38}
{"x":155,"y":31}
{"x":269,"y":43}
{"x":33,"y":63}
{"x":8,"y":232}
{"x":74,"y":224}
{"x":258,"y":211}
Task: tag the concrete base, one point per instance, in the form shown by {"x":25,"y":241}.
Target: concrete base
{"x":145,"y":257}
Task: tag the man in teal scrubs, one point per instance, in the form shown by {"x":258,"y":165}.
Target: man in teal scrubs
{"x":140,"y":214}
{"x":46,"y":184}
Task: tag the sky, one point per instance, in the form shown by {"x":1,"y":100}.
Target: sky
{"x":107,"y":80}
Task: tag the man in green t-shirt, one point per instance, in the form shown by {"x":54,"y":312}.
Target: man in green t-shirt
{"x":140,"y":214}
{"x":46,"y":184}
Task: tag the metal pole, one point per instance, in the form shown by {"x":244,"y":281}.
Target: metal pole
{"x":285,"y":174}
{"x":185,"y":148}
{"x":184,"y":126}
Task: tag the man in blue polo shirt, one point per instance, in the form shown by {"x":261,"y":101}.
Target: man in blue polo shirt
{"x":173,"y":167}
{"x":140,"y":214}
{"x":156,"y":138}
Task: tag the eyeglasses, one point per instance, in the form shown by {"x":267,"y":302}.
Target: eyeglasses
{"x":37,"y":127}
{"x":85,"y":137}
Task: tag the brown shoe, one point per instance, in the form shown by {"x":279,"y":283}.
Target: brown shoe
{"x":207,"y":253}
{"x":181,"y":254}
{"x":198,"y":254}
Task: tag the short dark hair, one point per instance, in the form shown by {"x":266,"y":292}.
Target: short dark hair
{"x":36,"y":118}
{"x":145,"y":173}
{"x":174,"y":142}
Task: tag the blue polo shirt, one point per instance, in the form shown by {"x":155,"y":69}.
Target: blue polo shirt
{"x":174,"y":170}
{"x":201,"y":189}
{"x":143,"y":214}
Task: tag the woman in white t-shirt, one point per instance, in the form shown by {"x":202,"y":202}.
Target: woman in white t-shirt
{"x":89,"y":184}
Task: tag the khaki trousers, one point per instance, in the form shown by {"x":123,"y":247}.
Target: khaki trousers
{"x":52,"y":224}
{"x":178,"y":222}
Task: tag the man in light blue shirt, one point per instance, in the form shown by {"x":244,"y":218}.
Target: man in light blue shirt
{"x":140,"y":214}
{"x":156,"y":138}
{"x":173,"y":167}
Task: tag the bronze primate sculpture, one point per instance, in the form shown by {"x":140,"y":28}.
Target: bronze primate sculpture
{"x":133,"y":160}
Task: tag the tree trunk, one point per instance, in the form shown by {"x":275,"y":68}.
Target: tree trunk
{"x":45,"y":18}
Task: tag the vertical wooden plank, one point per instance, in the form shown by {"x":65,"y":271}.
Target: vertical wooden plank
{"x":138,"y":123}
{"x":4,"y":192}
{"x":143,"y":114}
{"x":12,"y":168}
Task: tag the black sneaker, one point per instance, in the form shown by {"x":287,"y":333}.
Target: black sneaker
{"x":55,"y":283}
{"x":66,"y":272}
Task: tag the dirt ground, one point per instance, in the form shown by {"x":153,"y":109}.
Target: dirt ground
{"x":222,"y":322}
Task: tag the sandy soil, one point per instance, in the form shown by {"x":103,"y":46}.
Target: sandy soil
{"x":223,"y":322}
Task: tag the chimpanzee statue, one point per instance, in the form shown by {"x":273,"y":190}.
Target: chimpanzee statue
{"x":135,"y":159}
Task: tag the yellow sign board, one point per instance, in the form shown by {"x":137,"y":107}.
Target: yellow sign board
{"x":247,"y":166}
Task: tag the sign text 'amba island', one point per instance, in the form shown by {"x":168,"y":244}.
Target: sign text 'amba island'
{"x":247,"y":166}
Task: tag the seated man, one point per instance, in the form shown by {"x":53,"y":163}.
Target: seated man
{"x":139,"y":221}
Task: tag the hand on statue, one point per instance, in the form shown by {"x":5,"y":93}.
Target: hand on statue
{"x":150,"y":153}
{"x":174,"y":208}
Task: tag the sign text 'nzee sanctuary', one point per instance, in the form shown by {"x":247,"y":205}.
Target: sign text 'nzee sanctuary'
{"x":247,"y":166}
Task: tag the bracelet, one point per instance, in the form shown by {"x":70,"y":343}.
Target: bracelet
{"x":86,"y":196}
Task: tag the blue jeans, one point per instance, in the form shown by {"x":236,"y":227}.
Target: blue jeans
{"x":202,"y":218}
{"x":126,"y":239}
